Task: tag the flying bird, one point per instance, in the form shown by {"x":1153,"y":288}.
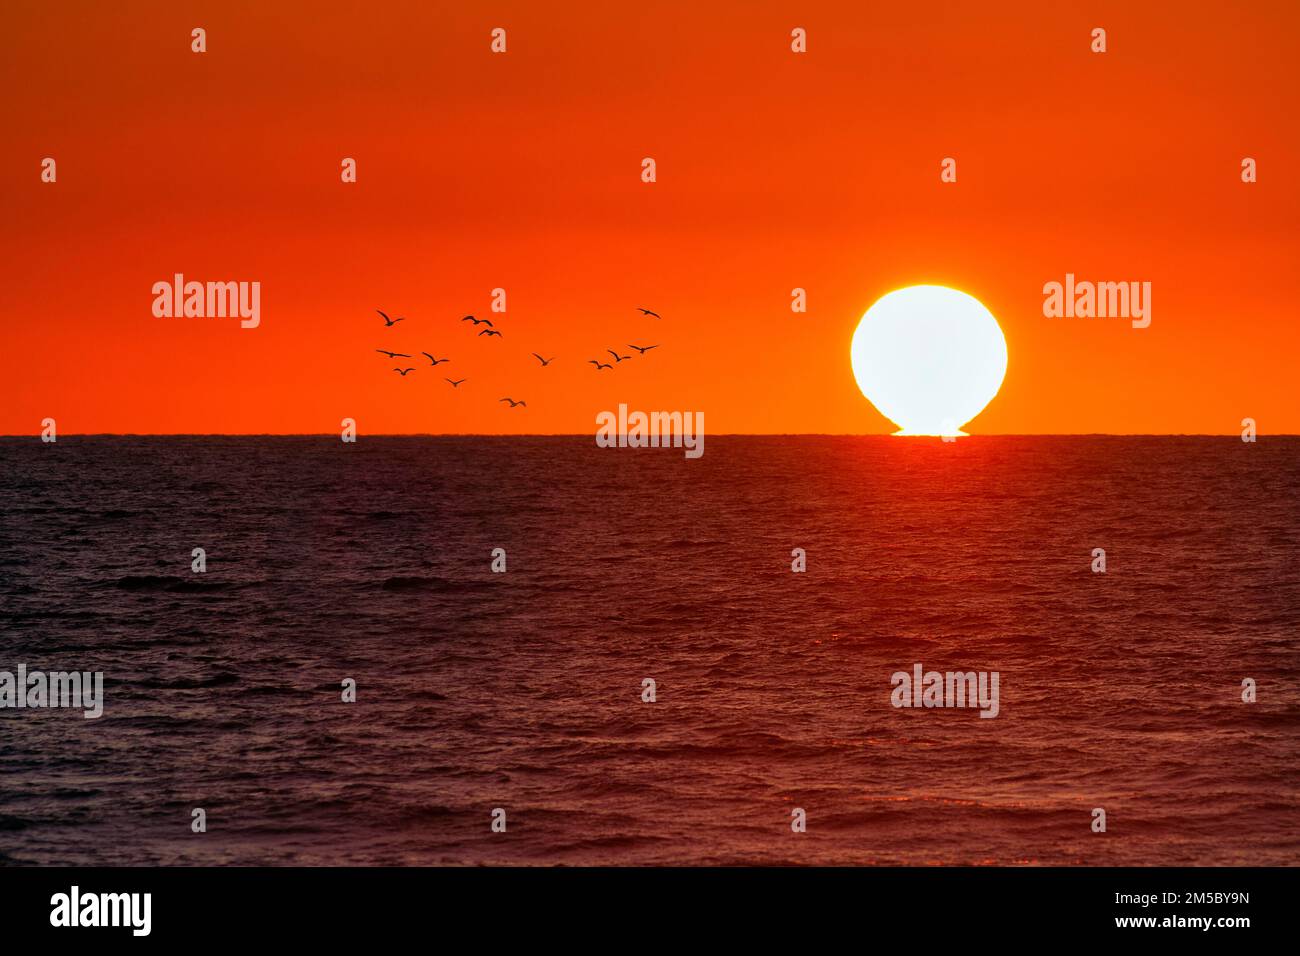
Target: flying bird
{"x":545,"y":362}
{"x":599,"y":365}
{"x":470,"y":318}
{"x":432,"y":361}
{"x":455,"y":384}
{"x":643,"y":348}
{"x":513,"y":403}
{"x":402,"y":371}
{"x":392,"y":355}
{"x":648,"y":312}
{"x":489,"y":331}
{"x":388,"y":321}
{"x":617,"y":358}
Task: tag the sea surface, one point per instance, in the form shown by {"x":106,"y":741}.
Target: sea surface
{"x":523,"y":690}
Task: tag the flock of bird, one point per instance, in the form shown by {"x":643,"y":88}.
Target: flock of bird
{"x":492,"y":331}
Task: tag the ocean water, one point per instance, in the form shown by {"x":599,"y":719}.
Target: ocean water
{"x":522,"y":690}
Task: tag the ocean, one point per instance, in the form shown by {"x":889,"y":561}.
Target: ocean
{"x":523,"y":691}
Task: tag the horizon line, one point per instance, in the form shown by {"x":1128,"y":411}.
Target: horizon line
{"x":335,"y":434}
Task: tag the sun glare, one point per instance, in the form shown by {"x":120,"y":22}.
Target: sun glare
{"x":929,"y":358}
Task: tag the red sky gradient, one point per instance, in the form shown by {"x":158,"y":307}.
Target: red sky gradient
{"x":522,"y":171}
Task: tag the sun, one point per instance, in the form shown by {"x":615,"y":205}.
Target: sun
{"x":929,"y":358}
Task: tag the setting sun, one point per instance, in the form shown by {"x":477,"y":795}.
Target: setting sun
{"x":929,"y":358}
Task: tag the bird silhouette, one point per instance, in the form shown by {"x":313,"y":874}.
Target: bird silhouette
{"x":388,"y":321}
{"x":513,"y":403}
{"x":648,"y":312}
{"x":402,"y":371}
{"x":617,"y":358}
{"x":599,"y":365}
{"x":489,"y":331}
{"x":456,"y":384}
{"x":643,"y":348}
{"x":432,"y":361}
{"x":545,"y":362}
{"x":470,"y":318}
{"x":392,"y":354}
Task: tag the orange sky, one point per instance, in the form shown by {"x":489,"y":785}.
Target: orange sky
{"x":522,"y":171}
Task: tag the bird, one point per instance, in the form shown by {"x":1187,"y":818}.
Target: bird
{"x":545,"y":362}
{"x":648,"y":312}
{"x":392,"y":355}
{"x":599,"y":365}
{"x":432,"y":361}
{"x":617,"y":358}
{"x":388,"y":321}
{"x":402,"y":371}
{"x":643,"y":348}
{"x":489,"y":331}
{"x":456,"y":384}
{"x":470,"y":318}
{"x":513,"y":403}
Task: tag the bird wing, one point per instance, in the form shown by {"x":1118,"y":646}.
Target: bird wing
{"x":539,"y":358}
{"x":428,"y":356}
{"x":488,"y":321}
{"x":612,"y":352}
{"x":386,"y":319}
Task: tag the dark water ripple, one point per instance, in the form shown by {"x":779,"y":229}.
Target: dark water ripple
{"x":523,"y":690}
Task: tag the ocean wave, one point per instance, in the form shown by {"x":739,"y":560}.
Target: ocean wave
{"x":155,"y":582}
{"x":221,"y":679}
{"x":416,"y":583}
